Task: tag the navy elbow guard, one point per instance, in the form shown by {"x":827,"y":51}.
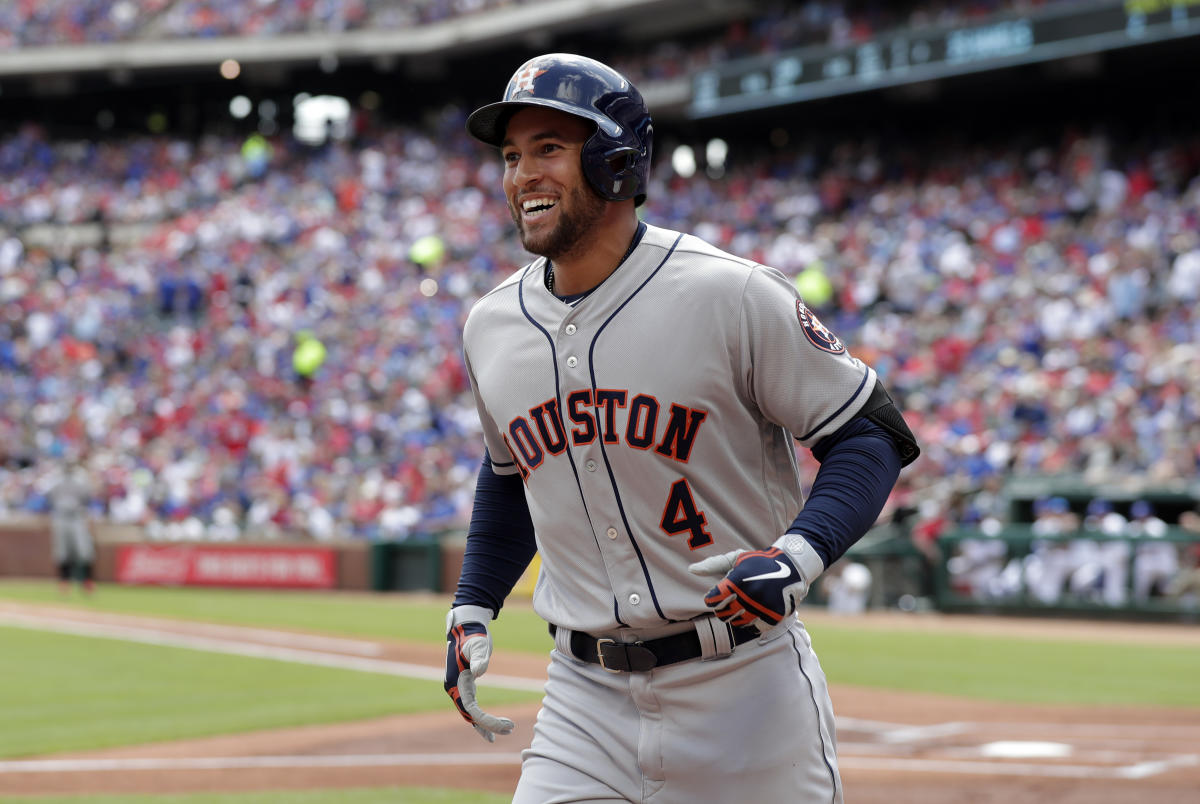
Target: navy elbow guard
{"x":883,"y":411}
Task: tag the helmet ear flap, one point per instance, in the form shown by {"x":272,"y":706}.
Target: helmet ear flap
{"x":615,"y":169}
{"x":622,"y":163}
{"x":621,"y":159}
{"x":611,"y":168}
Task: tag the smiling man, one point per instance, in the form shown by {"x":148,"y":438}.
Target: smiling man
{"x":640,"y":394}
{"x":557,"y":213}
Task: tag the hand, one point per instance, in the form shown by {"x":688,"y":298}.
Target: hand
{"x":759,"y":588}
{"x":468,"y":652}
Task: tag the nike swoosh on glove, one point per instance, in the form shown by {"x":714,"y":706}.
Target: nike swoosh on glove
{"x":760,"y":587}
{"x":468,"y":652}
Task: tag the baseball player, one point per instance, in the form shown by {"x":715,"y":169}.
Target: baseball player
{"x":70,"y":539}
{"x":640,"y":393}
{"x":1155,"y":560}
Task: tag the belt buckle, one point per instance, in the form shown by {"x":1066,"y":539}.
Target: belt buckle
{"x":600,"y":643}
{"x":637,"y":657}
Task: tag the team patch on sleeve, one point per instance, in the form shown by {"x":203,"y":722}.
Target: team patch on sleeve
{"x":817,"y":333}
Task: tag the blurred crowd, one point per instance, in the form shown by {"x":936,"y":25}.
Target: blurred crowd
{"x":1033,"y":309}
{"x":162,"y":352}
{"x":27,"y":23}
{"x":774,"y":26}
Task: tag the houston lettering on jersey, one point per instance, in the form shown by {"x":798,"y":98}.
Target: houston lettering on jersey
{"x":612,"y":415}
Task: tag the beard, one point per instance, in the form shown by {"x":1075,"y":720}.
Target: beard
{"x":579,"y":212}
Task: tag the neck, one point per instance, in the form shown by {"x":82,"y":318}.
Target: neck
{"x":592,"y":262}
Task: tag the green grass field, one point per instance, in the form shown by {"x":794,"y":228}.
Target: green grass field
{"x":989,"y":667}
{"x":69,"y":693}
{"x":47,"y":679}
{"x":397,"y":617}
{"x":952,"y":662}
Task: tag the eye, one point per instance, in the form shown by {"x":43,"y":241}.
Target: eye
{"x":510,"y":158}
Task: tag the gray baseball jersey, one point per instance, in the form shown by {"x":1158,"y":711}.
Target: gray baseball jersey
{"x":653,"y":423}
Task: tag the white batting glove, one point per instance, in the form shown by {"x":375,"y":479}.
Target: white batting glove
{"x":468,"y":652}
{"x":762,"y":588}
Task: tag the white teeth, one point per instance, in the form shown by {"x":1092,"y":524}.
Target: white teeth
{"x":536,"y":204}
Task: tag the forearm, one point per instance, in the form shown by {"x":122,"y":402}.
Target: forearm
{"x":858,"y":471}
{"x":500,"y":541}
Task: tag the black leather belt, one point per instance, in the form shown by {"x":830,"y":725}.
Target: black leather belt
{"x":638,"y":657}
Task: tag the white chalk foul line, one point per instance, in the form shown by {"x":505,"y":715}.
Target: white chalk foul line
{"x":152,"y":636}
{"x":1144,"y":769}
{"x":1106,"y":731}
{"x":236,"y":632}
{"x":913,"y":765}
{"x":901,"y":733}
{"x":250,"y":763}
{"x":912,"y":734}
{"x":361,"y":647}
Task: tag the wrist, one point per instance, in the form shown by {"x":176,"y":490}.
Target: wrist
{"x":808,"y":562}
{"x":468,"y":614}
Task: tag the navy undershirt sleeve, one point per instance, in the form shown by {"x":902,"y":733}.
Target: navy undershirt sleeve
{"x":500,"y":541}
{"x":859,"y":467}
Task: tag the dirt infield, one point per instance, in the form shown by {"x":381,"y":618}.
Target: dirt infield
{"x":898,"y":748}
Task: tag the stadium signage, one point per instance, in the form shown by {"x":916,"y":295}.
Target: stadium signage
{"x":909,"y":56}
{"x":194,"y":565}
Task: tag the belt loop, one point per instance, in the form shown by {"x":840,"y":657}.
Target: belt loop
{"x":562,"y":641}
{"x":716,"y":638}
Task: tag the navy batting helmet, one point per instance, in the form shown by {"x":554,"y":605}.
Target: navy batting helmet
{"x":616,"y":158}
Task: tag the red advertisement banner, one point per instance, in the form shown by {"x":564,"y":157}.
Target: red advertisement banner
{"x":194,"y":565}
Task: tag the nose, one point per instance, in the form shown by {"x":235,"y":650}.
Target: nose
{"x":527,"y":171}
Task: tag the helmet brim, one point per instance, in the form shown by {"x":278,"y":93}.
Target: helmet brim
{"x":489,"y":123}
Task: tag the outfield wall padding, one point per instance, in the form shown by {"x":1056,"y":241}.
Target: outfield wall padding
{"x":360,"y":566}
{"x":25,"y":548}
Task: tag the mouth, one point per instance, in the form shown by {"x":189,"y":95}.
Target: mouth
{"x":533,"y":209}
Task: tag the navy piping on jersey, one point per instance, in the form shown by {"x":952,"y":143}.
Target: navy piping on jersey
{"x":816,"y":707}
{"x":558,"y":396}
{"x":838,"y":412}
{"x":603,"y":452}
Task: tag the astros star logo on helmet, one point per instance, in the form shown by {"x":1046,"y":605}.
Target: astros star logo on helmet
{"x":524,"y":79}
{"x":817,"y":333}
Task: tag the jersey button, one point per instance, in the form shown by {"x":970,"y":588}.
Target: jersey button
{"x":634,"y":599}
{"x":571,"y":329}
{"x":572,"y":361}
{"x":591,"y":466}
{"x":611,"y":533}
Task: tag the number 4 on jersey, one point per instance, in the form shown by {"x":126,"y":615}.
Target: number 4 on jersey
{"x":681,"y":516}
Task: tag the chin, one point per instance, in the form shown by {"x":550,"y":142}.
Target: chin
{"x":543,"y":244}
